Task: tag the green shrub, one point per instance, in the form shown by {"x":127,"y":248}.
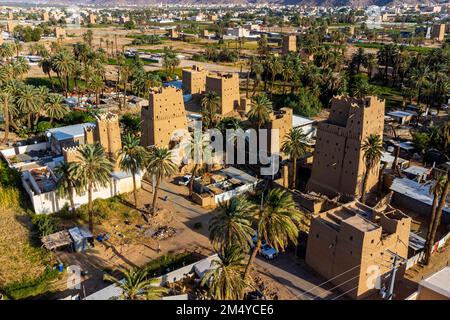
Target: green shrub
{"x":421,"y":141}
{"x":45,"y":224}
{"x":131,"y":123}
{"x":77,"y":117}
{"x":170,"y":262}
{"x":305,"y":103}
{"x":44,"y":126}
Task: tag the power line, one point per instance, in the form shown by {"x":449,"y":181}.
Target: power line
{"x":339,"y":275}
{"x":340,"y":284}
{"x":319,"y":285}
{"x":345,"y":293}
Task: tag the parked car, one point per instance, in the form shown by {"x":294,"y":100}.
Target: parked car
{"x":184,"y":181}
{"x":268,"y":252}
{"x":254,"y":239}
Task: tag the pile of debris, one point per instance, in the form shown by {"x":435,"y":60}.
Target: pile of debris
{"x":164,"y":233}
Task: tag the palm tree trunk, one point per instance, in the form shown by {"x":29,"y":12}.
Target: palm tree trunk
{"x":90,"y":210}
{"x":134,"y":190}
{"x":364,"y":186}
{"x":155,"y":196}
{"x":191,"y":182}
{"x":248,"y":84}
{"x":430,"y":224}
{"x":29,"y":120}
{"x":294,"y":173}
{"x":6,"y":118}
{"x":252,"y":258}
{"x":72,"y":203}
{"x":437,"y":220}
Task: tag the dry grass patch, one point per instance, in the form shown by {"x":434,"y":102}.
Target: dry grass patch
{"x":19,"y":259}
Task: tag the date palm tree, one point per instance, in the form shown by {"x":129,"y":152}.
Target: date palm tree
{"x":55,"y":107}
{"x":225,"y":278}
{"x":440,"y":192}
{"x":96,"y":84}
{"x":295,"y":145}
{"x":92,"y":170}
{"x":67,"y":185}
{"x":210,"y":104}
{"x":260,"y":110}
{"x":136,"y":286}
{"x":160,"y":165}
{"x":132,"y":159}
{"x":198,"y":148}
{"x":373,"y":149}
{"x":7,"y":105}
{"x":276,"y":223}
{"x":233,"y":223}
{"x":28,"y":101}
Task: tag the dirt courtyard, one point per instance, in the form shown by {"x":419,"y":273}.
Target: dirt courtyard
{"x":130,"y":243}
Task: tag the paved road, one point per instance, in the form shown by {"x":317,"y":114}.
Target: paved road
{"x":285,"y":269}
{"x":288,"y":270}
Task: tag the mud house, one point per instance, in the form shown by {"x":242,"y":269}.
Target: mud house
{"x":38,"y":161}
{"x":347,"y":244}
{"x":338,"y":165}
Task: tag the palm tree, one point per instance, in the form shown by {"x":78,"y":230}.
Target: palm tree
{"x":276,"y":223}
{"x":276,"y":67}
{"x":28,"y":101}
{"x":198,"y":149}
{"x":210,"y":104}
{"x":92,"y":170}
{"x":160,"y":164}
{"x":136,"y":286}
{"x":62,"y":63}
{"x":225,"y":278}
{"x":233,"y":223}
{"x":373,"y":149}
{"x":55,"y":107}
{"x":419,"y":76}
{"x":261,"y":108}
{"x":96,"y":84}
{"x":295,"y":145}
{"x":132,"y":159}
{"x":67,"y":184}
{"x":440,"y":190}
{"x":7,"y":100}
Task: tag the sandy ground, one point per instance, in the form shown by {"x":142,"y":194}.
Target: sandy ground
{"x":136,"y":248}
{"x":409,"y":284}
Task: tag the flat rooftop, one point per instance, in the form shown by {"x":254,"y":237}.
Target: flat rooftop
{"x":298,"y":121}
{"x":438,"y":282}
{"x":353,"y":214}
{"x":401,"y":114}
{"x":415,"y":190}
{"x":69,"y":132}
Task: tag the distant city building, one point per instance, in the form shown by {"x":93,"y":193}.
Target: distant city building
{"x":438,"y":32}
{"x":289,"y":44}
{"x":338,"y":166}
{"x":45,"y":16}
{"x":60,"y":33}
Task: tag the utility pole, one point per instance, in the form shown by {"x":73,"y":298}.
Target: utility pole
{"x":395,"y":265}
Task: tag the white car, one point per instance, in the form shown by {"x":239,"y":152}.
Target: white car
{"x":184,"y":181}
{"x":268,"y":252}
